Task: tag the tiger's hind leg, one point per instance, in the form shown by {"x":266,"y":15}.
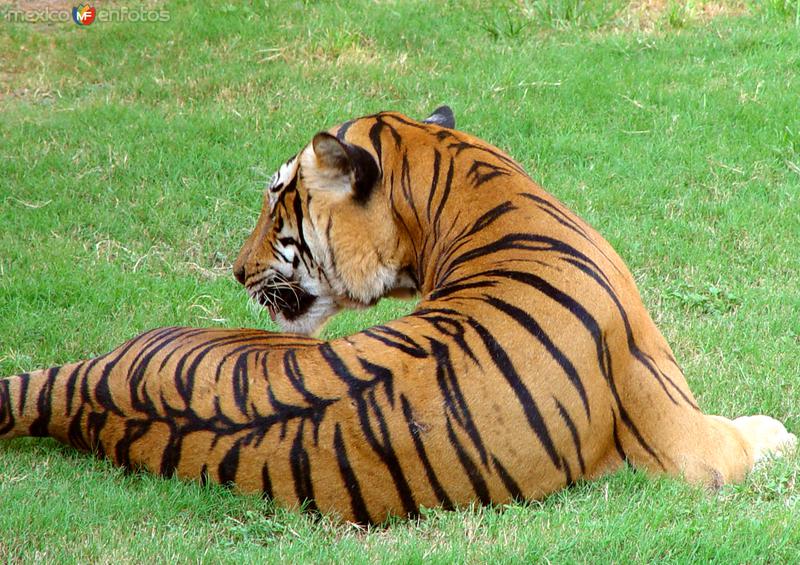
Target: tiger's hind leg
{"x":667,"y":433}
{"x":766,"y":435}
{"x":709,"y":450}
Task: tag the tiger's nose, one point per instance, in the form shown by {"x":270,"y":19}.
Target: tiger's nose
{"x":238,"y":272}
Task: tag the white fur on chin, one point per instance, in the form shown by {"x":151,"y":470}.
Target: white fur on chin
{"x":313,"y":321}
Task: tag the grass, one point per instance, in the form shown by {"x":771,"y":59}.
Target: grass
{"x":132,"y":158}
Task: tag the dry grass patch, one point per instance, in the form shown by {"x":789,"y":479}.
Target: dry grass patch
{"x":652,"y":15}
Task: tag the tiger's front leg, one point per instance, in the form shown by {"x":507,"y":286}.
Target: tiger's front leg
{"x":173,"y":400}
{"x":279,"y":414}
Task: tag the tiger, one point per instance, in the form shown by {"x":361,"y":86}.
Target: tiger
{"x":529,"y":362}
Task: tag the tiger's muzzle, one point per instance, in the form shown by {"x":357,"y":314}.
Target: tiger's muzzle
{"x":280,"y":295}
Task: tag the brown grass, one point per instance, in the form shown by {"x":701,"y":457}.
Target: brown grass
{"x":647,"y":15}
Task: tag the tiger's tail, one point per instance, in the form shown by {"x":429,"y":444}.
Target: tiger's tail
{"x":38,"y":404}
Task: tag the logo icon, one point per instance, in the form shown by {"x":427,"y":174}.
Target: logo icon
{"x":84,"y":14}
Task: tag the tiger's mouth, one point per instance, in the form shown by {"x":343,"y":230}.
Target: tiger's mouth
{"x":283,"y":297}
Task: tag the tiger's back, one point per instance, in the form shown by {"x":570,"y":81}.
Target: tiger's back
{"x":529,"y":362}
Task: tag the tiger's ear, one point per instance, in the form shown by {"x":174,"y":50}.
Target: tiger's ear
{"x":442,"y":116}
{"x":336,"y":166}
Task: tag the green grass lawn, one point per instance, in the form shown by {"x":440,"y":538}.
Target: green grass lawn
{"x":132,"y":160}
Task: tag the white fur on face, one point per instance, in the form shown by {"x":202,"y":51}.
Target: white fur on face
{"x":312,"y":322}
{"x":280,"y":179}
{"x":305,"y":275}
{"x":361,"y":278}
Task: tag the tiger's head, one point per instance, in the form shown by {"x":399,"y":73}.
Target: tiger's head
{"x":326,"y":238}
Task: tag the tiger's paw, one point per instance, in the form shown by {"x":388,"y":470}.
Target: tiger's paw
{"x":768,"y":437}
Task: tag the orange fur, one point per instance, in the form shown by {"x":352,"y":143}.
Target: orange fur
{"x":529,"y":362}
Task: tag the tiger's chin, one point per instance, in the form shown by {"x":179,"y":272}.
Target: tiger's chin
{"x":311,"y":321}
{"x":314,"y":319}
